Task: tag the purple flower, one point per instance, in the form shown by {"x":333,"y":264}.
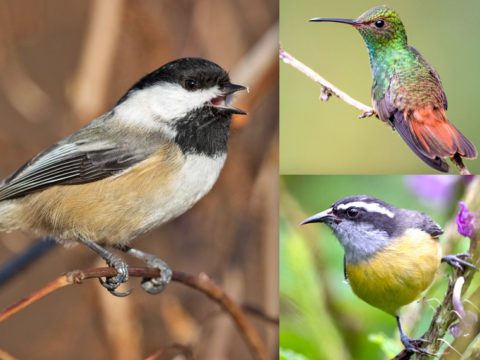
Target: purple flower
{"x":433,"y":190}
{"x":465,"y":221}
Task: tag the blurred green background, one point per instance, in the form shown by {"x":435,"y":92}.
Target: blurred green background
{"x":321,"y":318}
{"x":328,"y":138}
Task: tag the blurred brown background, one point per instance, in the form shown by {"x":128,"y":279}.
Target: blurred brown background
{"x":64,"y":62}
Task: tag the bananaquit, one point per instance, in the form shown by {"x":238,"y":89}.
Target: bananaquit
{"x":391,"y":254}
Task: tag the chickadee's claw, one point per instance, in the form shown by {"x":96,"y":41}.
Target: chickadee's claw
{"x":156,"y":285}
{"x":112,"y":283}
{"x":458,"y":262}
{"x":152,"y":285}
{"x":112,"y":286}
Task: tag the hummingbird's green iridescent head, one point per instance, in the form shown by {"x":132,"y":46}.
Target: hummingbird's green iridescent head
{"x":380,"y":27}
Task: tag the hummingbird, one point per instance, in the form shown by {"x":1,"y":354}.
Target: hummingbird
{"x":407,"y":92}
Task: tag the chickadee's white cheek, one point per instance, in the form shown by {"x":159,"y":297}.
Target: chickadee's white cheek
{"x":156,"y":107}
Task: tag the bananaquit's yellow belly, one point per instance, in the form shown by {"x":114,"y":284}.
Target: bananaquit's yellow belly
{"x":397,"y":274}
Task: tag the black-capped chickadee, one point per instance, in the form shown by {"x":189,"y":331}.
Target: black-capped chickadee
{"x":391,"y":254}
{"x":148,"y":160}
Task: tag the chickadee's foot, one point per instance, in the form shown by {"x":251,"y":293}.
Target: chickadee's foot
{"x":151,"y":285}
{"x":414,"y":345}
{"x":458,"y":261}
{"x":156,"y":285}
{"x":112,"y":283}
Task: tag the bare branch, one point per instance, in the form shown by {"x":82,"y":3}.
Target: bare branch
{"x":328,"y":88}
{"x":201,"y":283}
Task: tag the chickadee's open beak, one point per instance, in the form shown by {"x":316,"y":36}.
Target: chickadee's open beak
{"x":337,"y":20}
{"x":232,"y":88}
{"x":223,"y":101}
{"x":325,"y":216}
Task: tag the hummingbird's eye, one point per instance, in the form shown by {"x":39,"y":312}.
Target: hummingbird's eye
{"x":352,"y":213}
{"x":190,"y":84}
{"x":379,"y":23}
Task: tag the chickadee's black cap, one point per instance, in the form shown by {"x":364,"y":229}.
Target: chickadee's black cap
{"x":204,"y":73}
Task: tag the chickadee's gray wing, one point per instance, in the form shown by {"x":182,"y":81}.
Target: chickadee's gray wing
{"x":75,"y":162}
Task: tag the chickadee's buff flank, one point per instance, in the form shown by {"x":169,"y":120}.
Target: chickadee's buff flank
{"x":391,"y":254}
{"x":149,"y":159}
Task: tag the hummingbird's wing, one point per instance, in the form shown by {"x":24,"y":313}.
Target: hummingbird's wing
{"x":433,"y":73}
{"x":74,"y":162}
{"x":429,"y":131}
{"x":402,"y":128}
{"x":387,"y":110}
{"x":427,"y":122}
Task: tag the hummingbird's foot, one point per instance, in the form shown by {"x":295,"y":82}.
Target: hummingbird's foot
{"x":366,"y":114}
{"x":414,"y":345}
{"x":152,"y":285}
{"x":462,"y":169}
{"x":458,"y":261}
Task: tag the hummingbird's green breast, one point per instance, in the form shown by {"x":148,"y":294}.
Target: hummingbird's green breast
{"x":406,"y":78}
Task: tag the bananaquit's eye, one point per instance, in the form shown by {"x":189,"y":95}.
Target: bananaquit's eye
{"x":379,"y":23}
{"x":190,"y":84}
{"x":352,"y":213}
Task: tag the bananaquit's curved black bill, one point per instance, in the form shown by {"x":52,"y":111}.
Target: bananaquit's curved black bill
{"x":322,"y":217}
{"x":338,"y":20}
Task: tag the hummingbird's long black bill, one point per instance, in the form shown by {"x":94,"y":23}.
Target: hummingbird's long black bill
{"x":337,"y":20}
{"x":322,"y":217}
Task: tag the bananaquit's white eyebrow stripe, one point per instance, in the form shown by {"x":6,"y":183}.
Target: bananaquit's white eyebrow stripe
{"x":370,"y":207}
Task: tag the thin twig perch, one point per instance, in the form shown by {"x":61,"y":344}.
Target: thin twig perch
{"x":201,"y":283}
{"x":328,"y":88}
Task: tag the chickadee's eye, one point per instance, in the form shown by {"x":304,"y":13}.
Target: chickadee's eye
{"x":190,"y":84}
{"x":352,"y":213}
{"x":379,"y":23}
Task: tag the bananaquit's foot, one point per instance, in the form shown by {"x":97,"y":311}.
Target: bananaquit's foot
{"x":111,"y":283}
{"x":155,"y":285}
{"x":412,"y":345}
{"x":458,"y":261}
